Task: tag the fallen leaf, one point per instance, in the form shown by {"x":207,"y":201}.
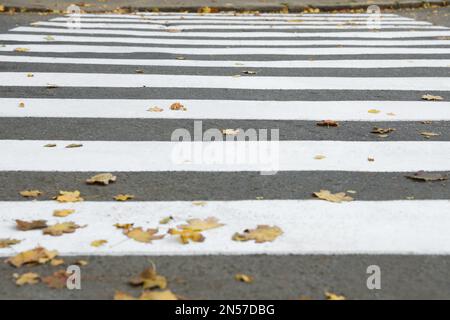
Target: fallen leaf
{"x":27,"y":278}
{"x":187,"y":234}
{"x":427,"y":176}
{"x":166,"y":220}
{"x":382,"y":131}
{"x":336,"y":197}
{"x":333,"y":296}
{"x":319,"y":157}
{"x":249,"y":72}
{"x":138,"y":234}
{"x":371,"y":159}
{"x":30,"y":225}
{"x":374,"y":111}
{"x":243,"y":278}
{"x":50,"y":145}
{"x":199,"y":203}
{"x":149,"y":279}
{"x":56,"y":262}
{"x":98,"y":243}
{"x":69,"y":196}
{"x":204,"y":10}
{"x":58,"y":280}
{"x":177,"y":106}
{"x":59,"y":229}
{"x":102,"y":178}
{"x":21,"y":49}
{"x":49,"y":38}
{"x":430,"y":97}
{"x":230,"y":132}
{"x":63,"y":213}
{"x":201,"y":225}
{"x":51,"y":86}
{"x":30,"y":193}
{"x":21,"y":105}
{"x":155,"y":109}
{"x":140,"y":71}
{"x":6,"y":243}
{"x":124,"y":225}
{"x":429,"y":135}
{"x":38,"y":255}
{"x":262,"y":233}
{"x":327,"y":123}
{"x":119,"y":295}
{"x":74,"y":145}
{"x":123,"y":197}
{"x":158,"y":295}
{"x":81,"y":263}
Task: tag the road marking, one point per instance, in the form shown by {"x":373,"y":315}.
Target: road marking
{"x":243,"y":34}
{"x":228,"y":109}
{"x":224,"y":156}
{"x":309,"y":226}
{"x":105,"y":80}
{"x":359,"y":64}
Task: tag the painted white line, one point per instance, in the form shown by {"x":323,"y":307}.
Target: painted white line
{"x":105,"y":80}
{"x":251,"y":22}
{"x":61,"y":48}
{"x":224,"y":156}
{"x":401,"y":63}
{"x":228,"y":109}
{"x":309,"y":227}
{"x":160,"y":14}
{"x":243,"y":34}
{"x":238,"y":26}
{"x":222,"y":42}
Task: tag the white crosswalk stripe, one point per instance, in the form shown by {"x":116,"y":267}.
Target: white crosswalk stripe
{"x":53,"y":73}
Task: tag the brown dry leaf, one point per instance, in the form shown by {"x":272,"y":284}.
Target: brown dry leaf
{"x":158,"y":295}
{"x":230,"y":132}
{"x":123,"y":197}
{"x":27,"y":278}
{"x":63,"y":213}
{"x":374,"y":111}
{"x":74,"y":145}
{"x":429,"y":135}
{"x":177,"y":106}
{"x":139,"y":71}
{"x":201,"y":225}
{"x":59,"y":229}
{"x":6,"y":243}
{"x":332,"y":197}
{"x":427,"y":176}
{"x":155,"y":109}
{"x":30,"y":193}
{"x":319,"y":157}
{"x":21,"y":49}
{"x":149,"y":279}
{"x":204,"y":10}
{"x":52,"y":86}
{"x":138,"y":234}
{"x":430,"y":97}
{"x":370,"y":159}
{"x":21,"y":105}
{"x":38,"y":255}
{"x":327,"y":123}
{"x":57,"y":281}
{"x":98,"y":243}
{"x":262,"y":233}
{"x":382,"y":131}
{"x":50,"y":145}
{"x":56,"y":262}
{"x":187,"y":234}
{"x":69,"y":196}
{"x":102,"y":178}
{"x":243,"y":278}
{"x":333,"y":296}
{"x":2,"y":8}
{"x":125,"y":226}
{"x":30,"y":225}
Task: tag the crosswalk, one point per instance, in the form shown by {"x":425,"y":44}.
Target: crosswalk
{"x":95,"y":86}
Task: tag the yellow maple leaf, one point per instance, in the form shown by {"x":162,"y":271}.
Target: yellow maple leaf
{"x":201,"y":225}
{"x":243,"y":278}
{"x":158,"y":295}
{"x":374,"y":111}
{"x":333,"y":296}
{"x":98,"y":243}
{"x":56,"y":262}
{"x":69,"y":196}
{"x":30,"y":225}
{"x":102,"y":178}
{"x":149,"y":279}
{"x":119,"y":295}
{"x":61,"y":228}
{"x":6,"y":243}
{"x":30,"y":193}
{"x":262,"y":233}
{"x":63,"y":213}
{"x":21,"y":49}
{"x":27,"y":278}
{"x":187,"y":234}
{"x":123,"y":197}
{"x":124,"y":225}
{"x":38,"y":255}
{"x":336,"y":197}
{"x":138,"y":234}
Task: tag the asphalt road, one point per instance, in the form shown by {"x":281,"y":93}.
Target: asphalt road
{"x":212,"y":277}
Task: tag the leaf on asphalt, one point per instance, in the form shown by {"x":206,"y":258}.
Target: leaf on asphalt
{"x":374,"y":111}
{"x":382,"y":131}
{"x":230,"y":132}
{"x":37,"y":255}
{"x":177,"y":106}
{"x":6,"y":243}
{"x":98,"y":243}
{"x":58,"y":280}
{"x":52,"y":86}
{"x":69,"y":196}
{"x":201,"y":225}
{"x":427,"y":176}
{"x":63,"y":213}
{"x":59,"y":229}
{"x":74,"y":145}
{"x":123,"y":197}
{"x":243,"y":278}
{"x":21,"y":49}
{"x":139,"y":71}
{"x":81,"y":263}
{"x":186,"y":235}
{"x":119,"y":295}
{"x":262,"y":233}
{"x":125,"y":226}
{"x":155,"y":109}
{"x":333,"y":296}
{"x":430,"y":97}
{"x":149,"y":279}
{"x":30,"y":225}
{"x":26,"y":278}
{"x":147,"y":295}
{"x":327,"y":123}
{"x":30,"y":193}
{"x":250,"y":72}
{"x":429,"y":135}
{"x":166,"y":220}
{"x":56,"y":262}
{"x":332,"y":197}
{"x":102,"y":178}
{"x":141,"y":235}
